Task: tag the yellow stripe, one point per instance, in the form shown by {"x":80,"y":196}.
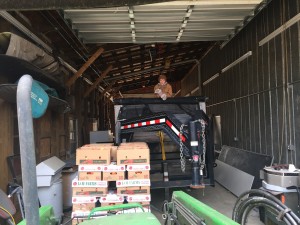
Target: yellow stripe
{"x":5,"y":210}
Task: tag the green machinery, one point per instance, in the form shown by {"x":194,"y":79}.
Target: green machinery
{"x":183,"y":209}
{"x":46,"y":216}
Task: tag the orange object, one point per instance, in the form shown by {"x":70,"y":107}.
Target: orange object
{"x":282,"y":198}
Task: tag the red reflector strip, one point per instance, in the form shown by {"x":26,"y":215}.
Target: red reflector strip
{"x":152,"y":122}
{"x":145,"y":123}
{"x":174,"y":129}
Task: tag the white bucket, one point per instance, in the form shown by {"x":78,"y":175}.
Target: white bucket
{"x":52,"y":196}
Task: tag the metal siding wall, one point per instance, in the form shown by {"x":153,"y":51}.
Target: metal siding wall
{"x":254,"y":101}
{"x":190,"y":82}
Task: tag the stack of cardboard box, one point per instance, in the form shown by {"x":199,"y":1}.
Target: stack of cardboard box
{"x":89,"y":187}
{"x":136,"y":157}
{"x":110,"y":175}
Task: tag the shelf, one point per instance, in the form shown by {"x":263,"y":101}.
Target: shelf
{"x":8,"y":92}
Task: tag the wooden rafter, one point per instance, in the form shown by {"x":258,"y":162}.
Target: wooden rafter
{"x":84,"y":67}
{"x":97,"y":82}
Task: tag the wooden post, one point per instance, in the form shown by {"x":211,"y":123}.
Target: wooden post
{"x":99,"y":79}
{"x":84,"y":67}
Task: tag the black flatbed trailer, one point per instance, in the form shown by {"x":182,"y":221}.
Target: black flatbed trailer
{"x":185,"y":122}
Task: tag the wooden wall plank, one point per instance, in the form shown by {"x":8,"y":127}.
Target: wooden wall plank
{"x":6,"y":141}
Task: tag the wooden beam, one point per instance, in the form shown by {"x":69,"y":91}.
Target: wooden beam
{"x":99,"y":79}
{"x":84,"y":67}
{"x":105,"y":90}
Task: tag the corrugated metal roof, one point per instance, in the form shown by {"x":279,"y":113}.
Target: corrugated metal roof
{"x":169,"y":22}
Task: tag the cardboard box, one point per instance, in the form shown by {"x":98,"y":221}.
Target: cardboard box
{"x":112,"y":198}
{"x":113,"y":176}
{"x":98,"y":145}
{"x":138,"y":167}
{"x":84,"y":199}
{"x":90,"y":191}
{"x":91,"y":167}
{"x":93,"y":154}
{"x":110,"y":203}
{"x":113,"y":168}
{"x":113,"y":172}
{"x":89,"y":183}
{"x":113,"y":153}
{"x":131,"y":154}
{"x":133,"y":190}
{"x":135,"y":145}
{"x":139,"y":198}
{"x":91,"y":175}
{"x":83,"y":207}
{"x":132,"y":183}
{"x":135,"y":175}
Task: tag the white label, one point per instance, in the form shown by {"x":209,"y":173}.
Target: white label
{"x":89,"y":183}
{"x":138,"y":167}
{"x":139,"y":198}
{"x":112,"y":198}
{"x":194,"y":143}
{"x":132,"y":183}
{"x":90,"y":167}
{"x":113,"y":168}
{"x":80,"y":199}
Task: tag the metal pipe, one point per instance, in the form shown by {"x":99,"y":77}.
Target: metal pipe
{"x":118,"y":133}
{"x":27,"y":150}
{"x":196,"y":176}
